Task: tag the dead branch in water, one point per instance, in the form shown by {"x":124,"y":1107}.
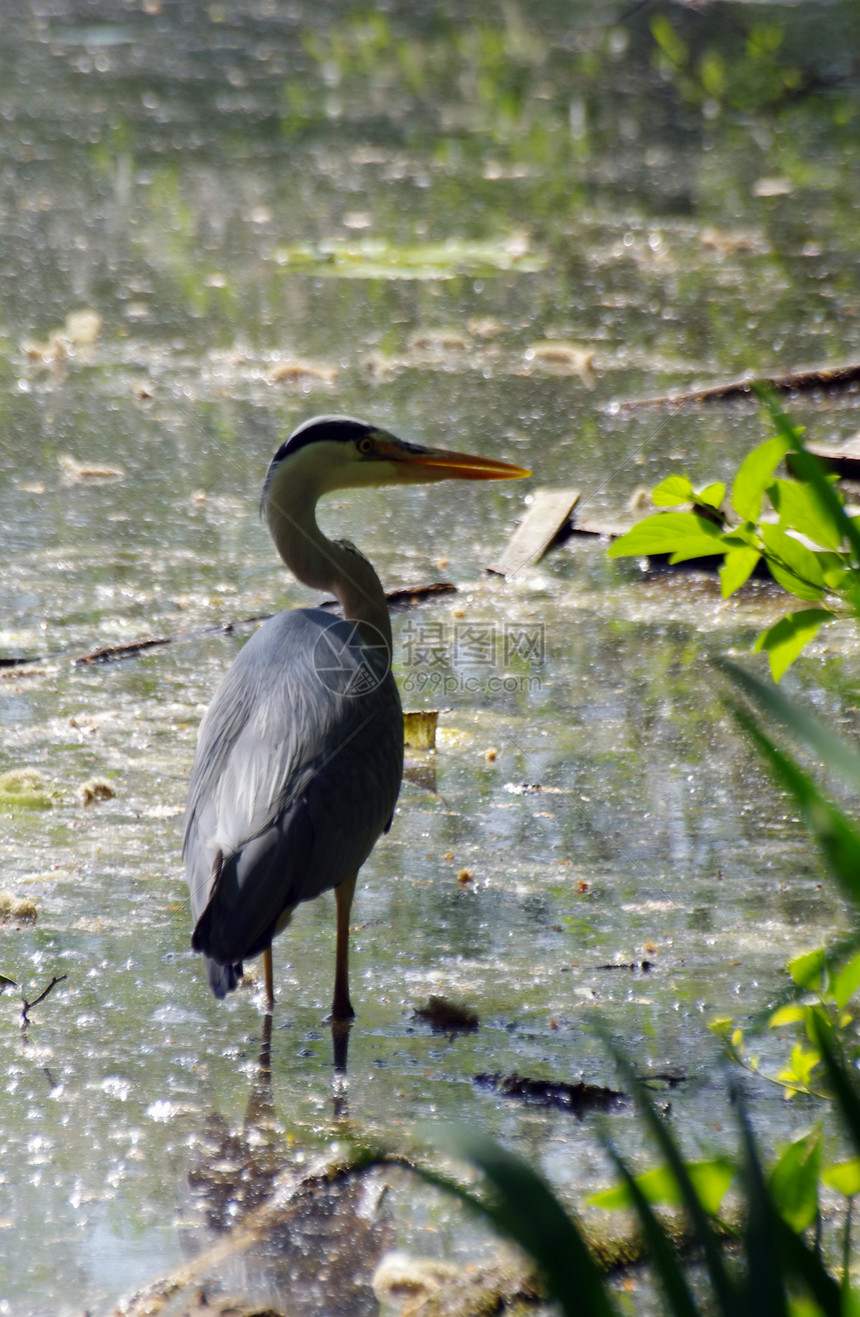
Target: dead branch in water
{"x":27,"y":1006}
{"x":791,"y":381}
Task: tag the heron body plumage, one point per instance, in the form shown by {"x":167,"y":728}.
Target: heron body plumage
{"x":297,"y":773}
{"x":300,"y":755}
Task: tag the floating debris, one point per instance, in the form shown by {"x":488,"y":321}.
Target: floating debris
{"x":563,"y":358}
{"x":16,"y":909}
{"x":772,"y":187}
{"x":726,"y":242}
{"x":82,"y":329}
{"x":438,"y":340}
{"x":94,"y":790}
{"x":295,"y":371}
{"x":447,"y":1017}
{"x":24,"y":788}
{"x":579,"y":1098}
{"x":530,"y":788}
{"x":644,"y":965}
{"x":484,"y":326}
{"x":88,"y":473}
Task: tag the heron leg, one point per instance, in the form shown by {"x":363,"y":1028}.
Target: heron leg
{"x":341,"y":1008}
{"x":268,"y":980}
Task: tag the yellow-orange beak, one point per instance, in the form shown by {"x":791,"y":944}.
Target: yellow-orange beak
{"x":415,"y":462}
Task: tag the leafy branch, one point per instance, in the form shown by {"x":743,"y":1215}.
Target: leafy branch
{"x":808,"y":542}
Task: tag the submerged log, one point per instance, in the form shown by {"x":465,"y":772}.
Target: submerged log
{"x":791,"y":381}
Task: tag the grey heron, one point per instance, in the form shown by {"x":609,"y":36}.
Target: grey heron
{"x":300,"y":755}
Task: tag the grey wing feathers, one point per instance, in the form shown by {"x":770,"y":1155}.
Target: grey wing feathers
{"x":297,"y":772}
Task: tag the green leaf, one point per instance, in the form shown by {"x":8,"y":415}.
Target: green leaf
{"x":850,"y":591}
{"x":754,"y":474}
{"x":838,"y":577}
{"x":792,"y":1014}
{"x":793,"y":584}
{"x":712,"y":495}
{"x":793,"y":1182}
{"x":808,"y":969}
{"x":798,"y":1074}
{"x":839,"y":756}
{"x":792,"y":564}
{"x":671,"y":491}
{"x":844,"y":1177}
{"x":698,"y":546}
{"x":710,"y":1179}
{"x":810,"y":470}
{"x":847,"y":983}
{"x":786,"y":638}
{"x":666,"y":532}
{"x":800,"y":507}
{"x":523,"y":1207}
{"x":669,"y":41}
{"x":738,"y":566}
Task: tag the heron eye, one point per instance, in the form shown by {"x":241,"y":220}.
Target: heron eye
{"x":365,"y":445}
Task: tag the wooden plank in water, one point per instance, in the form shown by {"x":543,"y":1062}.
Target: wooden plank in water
{"x":843,"y":458}
{"x":547,"y":517}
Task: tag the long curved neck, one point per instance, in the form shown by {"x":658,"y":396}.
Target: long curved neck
{"x":327,"y":565}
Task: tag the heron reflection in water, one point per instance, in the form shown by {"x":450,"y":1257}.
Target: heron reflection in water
{"x":300,"y":755}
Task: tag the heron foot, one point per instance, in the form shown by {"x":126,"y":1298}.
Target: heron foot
{"x":341,"y":1012}
{"x":340,"y":1046}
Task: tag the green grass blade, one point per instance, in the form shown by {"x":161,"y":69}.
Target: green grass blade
{"x":832,"y":751}
{"x":706,"y":1236}
{"x":835,"y":834}
{"x":842,"y":1079}
{"x":661,"y":1253}
{"x":765,"y":1288}
{"x":804,"y":1264}
{"x":775,"y":1252}
{"x":788,"y":637}
{"x":523,"y":1207}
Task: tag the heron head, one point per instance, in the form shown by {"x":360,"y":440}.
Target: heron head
{"x":340,"y":452}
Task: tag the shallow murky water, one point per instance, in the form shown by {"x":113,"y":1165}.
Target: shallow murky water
{"x":262,"y":242}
